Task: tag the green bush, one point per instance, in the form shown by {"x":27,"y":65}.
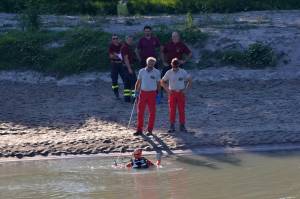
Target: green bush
{"x":258,"y":55}
{"x":84,"y":50}
{"x":30,"y":19}
{"x":122,"y":9}
{"x":233,"y":57}
{"x":81,"y":50}
{"x":23,"y":50}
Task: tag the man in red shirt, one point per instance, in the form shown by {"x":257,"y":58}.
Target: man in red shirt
{"x":128,"y":55}
{"x":117,"y":68}
{"x":175,"y":49}
{"x":147,"y":46}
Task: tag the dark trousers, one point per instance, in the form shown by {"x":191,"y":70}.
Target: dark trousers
{"x":130,"y":81}
{"x":116,"y":70}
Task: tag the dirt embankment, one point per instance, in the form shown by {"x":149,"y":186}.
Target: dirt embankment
{"x":51,"y":119}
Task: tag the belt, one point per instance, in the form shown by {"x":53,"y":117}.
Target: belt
{"x":179,"y":90}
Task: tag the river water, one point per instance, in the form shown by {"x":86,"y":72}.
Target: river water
{"x":231,"y":176}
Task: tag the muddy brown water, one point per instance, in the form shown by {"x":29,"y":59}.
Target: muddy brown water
{"x":265,"y":175}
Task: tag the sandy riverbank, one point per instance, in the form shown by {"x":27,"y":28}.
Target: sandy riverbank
{"x":51,"y":119}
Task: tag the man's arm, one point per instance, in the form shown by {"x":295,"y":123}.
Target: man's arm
{"x":158,"y":86}
{"x":137,"y":53}
{"x":189,"y":56}
{"x":165,"y":86}
{"x":189,"y":83}
{"x":126,"y":61}
{"x":138,"y":85}
{"x":129,"y":165}
{"x":149,"y":163}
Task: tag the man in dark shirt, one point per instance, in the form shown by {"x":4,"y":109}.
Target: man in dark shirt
{"x":175,"y":49}
{"x":128,"y":56}
{"x":147,"y":46}
{"x":117,"y":68}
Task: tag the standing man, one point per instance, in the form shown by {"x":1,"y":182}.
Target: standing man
{"x":117,"y":67}
{"x":128,"y":56}
{"x":179,"y":80}
{"x":147,"y":46}
{"x":175,"y":49}
{"x":148,"y":83}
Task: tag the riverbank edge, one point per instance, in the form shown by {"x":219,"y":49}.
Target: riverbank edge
{"x":195,"y":151}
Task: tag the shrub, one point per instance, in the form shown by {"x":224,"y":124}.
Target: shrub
{"x":122,"y":9}
{"x":23,"y":50}
{"x":29,"y":18}
{"x":260,"y":55}
{"x":82,"y":50}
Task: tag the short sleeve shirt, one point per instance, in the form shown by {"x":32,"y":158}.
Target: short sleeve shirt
{"x":115,"y":49}
{"x":172,"y":50}
{"x":128,"y":50}
{"x":149,"y":79}
{"x":176,"y":79}
{"x":147,"y":47}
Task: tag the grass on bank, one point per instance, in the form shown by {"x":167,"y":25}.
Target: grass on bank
{"x":60,"y":53}
{"x":72,"y":51}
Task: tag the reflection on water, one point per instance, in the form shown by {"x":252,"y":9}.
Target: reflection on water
{"x":245,"y":176}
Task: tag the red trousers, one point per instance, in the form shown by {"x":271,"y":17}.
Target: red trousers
{"x":146,"y":98}
{"x":177,"y":99}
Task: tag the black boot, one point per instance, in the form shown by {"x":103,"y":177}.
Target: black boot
{"x":182,"y":128}
{"x":137,"y":133}
{"x":127,"y":99}
{"x":116,"y":92}
{"x":172,"y":128}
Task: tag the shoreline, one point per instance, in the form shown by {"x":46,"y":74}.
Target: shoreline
{"x":197,"y":151}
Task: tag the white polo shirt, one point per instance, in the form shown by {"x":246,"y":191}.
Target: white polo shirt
{"x":176,"y":79}
{"x":149,"y":80}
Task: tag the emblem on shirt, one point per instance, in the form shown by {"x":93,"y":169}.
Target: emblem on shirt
{"x":180,"y":79}
{"x":152,"y":77}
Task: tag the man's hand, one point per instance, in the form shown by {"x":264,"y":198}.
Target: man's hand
{"x":130,"y":71}
{"x":136,"y":94}
{"x":181,"y":62}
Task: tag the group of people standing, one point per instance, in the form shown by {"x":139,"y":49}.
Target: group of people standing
{"x":147,"y":85}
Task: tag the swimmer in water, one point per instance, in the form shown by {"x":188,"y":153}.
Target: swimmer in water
{"x":140,"y":162}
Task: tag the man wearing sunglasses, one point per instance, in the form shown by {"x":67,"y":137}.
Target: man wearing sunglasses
{"x":117,"y":68}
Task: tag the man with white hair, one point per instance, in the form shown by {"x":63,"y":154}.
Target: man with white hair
{"x":146,"y":88}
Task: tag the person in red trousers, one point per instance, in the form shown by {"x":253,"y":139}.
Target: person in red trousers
{"x":146,"y":88}
{"x":175,"y":82}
